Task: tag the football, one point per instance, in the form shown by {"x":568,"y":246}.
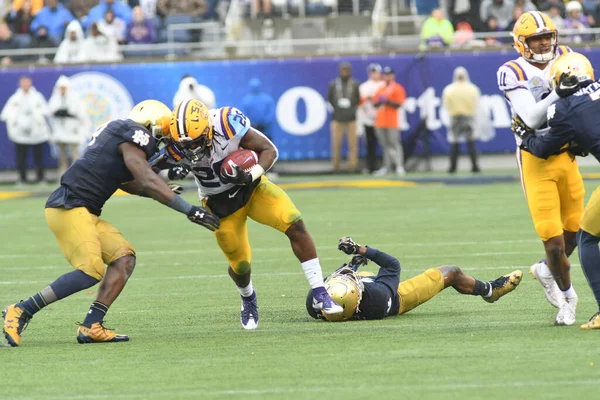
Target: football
{"x":245,"y":159}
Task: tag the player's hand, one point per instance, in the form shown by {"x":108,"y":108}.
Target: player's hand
{"x":175,"y":188}
{"x":358,"y":261}
{"x":348,"y":246}
{"x":519,"y":128}
{"x":239,"y":177}
{"x":201,"y":216}
{"x":567,"y":85}
{"x":179,"y":172}
{"x":576,"y":150}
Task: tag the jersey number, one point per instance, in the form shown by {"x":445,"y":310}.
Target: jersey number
{"x":239,"y":117}
{"x":208,"y":177}
{"x":98,"y":132}
{"x":595,"y":96}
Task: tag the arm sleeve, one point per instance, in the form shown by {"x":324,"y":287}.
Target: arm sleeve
{"x":561,"y":133}
{"x":533,"y":114}
{"x":389,"y":267}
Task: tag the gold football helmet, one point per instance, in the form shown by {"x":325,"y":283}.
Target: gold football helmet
{"x":532,"y":24}
{"x":572,"y":64}
{"x":345,"y":287}
{"x":154,"y":115}
{"x":191,"y":129}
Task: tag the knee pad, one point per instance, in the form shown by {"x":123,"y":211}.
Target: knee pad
{"x":548,"y":229}
{"x":240,"y":267}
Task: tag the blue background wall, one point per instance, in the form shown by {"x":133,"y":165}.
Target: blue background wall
{"x":229,"y":80}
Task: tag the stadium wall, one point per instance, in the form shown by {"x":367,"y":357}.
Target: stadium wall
{"x":299,"y":86}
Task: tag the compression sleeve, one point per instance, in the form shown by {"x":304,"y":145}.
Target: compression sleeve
{"x":531,"y":112}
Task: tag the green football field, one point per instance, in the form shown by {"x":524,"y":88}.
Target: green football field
{"x":182,"y":311}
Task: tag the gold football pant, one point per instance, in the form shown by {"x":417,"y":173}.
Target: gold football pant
{"x":268,"y":205}
{"x":87,"y":241}
{"x":590,"y":220}
{"x":421,"y":288}
{"x":554,"y":191}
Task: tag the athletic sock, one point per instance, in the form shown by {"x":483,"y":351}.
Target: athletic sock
{"x":246,"y":291}
{"x":569,"y":293}
{"x":589,"y":254}
{"x":96,"y":313}
{"x":313,"y":272}
{"x":33,"y":304}
{"x":72,"y":282}
{"x":482,"y":289}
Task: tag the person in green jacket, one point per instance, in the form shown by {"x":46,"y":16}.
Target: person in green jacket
{"x":437,"y":30}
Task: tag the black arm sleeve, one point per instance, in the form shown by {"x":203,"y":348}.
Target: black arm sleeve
{"x":389,"y":271}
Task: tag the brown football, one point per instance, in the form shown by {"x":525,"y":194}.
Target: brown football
{"x":245,"y":159}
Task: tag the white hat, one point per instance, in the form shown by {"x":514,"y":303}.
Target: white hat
{"x":573,"y":6}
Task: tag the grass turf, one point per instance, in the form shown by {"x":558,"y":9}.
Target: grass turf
{"x":182,"y":311}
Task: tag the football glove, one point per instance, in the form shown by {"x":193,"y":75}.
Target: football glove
{"x":179,"y":172}
{"x":519,"y":127}
{"x":240,"y":177}
{"x":576,"y":150}
{"x":348,"y":246}
{"x":358,"y":261}
{"x":175,"y":188}
{"x":201,"y":216}
{"x":567,"y":85}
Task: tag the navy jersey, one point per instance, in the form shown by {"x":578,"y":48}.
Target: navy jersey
{"x":380,"y":295}
{"x":571,"y":119}
{"x":94,"y":177}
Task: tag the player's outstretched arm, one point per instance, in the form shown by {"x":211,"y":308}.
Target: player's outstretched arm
{"x":152,"y":185}
{"x":386,"y":262}
{"x":533,"y":114}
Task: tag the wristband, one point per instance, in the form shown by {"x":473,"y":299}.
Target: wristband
{"x":256,"y":171}
{"x":179,"y":204}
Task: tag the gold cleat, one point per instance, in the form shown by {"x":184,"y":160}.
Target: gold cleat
{"x":15,"y":321}
{"x":593,"y":323}
{"x":97,"y":333}
{"x":504,"y":285}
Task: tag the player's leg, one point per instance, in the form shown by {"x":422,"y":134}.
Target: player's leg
{"x":232,"y":237}
{"x":420,"y":289}
{"x":490,"y":291}
{"x":539,"y":179}
{"x":588,"y":240}
{"x":270,"y":205}
{"x":119,"y":255}
{"x":75,"y":231}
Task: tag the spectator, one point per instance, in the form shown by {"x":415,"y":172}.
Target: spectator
{"x":437,"y":31}
{"x":368,"y":112}
{"x":55,"y":17}
{"x":7,"y":42}
{"x":25,"y":115}
{"x":41,"y":41}
{"x":148,"y":7}
{"x":259,"y":107}
{"x":343,"y":96}
{"x":461,"y":99}
{"x":463,"y":35}
{"x":526,"y":5}
{"x":36,"y":5}
{"x":81,"y":8}
{"x":492,"y":27}
{"x":70,"y":124}
{"x":502,"y":10}
{"x":121,"y":10}
{"x":190,"y":89}
{"x":100,"y":46}
{"x":20,"y":20}
{"x":72,"y":49}
{"x":518,"y":11}
{"x":113,"y":26}
{"x":576,"y":21}
{"x":554,"y":14}
{"x":556,"y":3}
{"x":139,"y":30}
{"x":388,"y":99}
{"x":194,"y":8}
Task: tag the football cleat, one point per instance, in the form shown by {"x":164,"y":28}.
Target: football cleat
{"x":323,"y":302}
{"x":97,"y":333}
{"x":593,"y":323}
{"x":15,"y":321}
{"x":504,"y":285}
{"x":249,"y":315}
{"x":541,"y":273}
{"x":566,"y":313}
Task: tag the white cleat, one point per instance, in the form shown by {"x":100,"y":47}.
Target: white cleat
{"x":249,"y":314}
{"x":542,"y":274}
{"x":566,"y":314}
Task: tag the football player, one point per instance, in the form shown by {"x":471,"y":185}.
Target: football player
{"x":368,"y":296}
{"x":553,"y":187}
{"x":118,"y":152}
{"x":201,"y":140}
{"x":576,"y":119}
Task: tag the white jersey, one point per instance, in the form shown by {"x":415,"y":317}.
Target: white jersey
{"x":520,"y":74}
{"x":230,"y":125}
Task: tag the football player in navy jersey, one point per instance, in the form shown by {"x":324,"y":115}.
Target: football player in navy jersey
{"x":367,"y":296}
{"x":574,"y":123}
{"x":118,"y":153}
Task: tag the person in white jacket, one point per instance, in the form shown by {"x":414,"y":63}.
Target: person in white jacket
{"x":189,"y":88}
{"x":70,"y":122}
{"x":25,"y":115}
{"x":72,"y":48}
{"x":101,"y":46}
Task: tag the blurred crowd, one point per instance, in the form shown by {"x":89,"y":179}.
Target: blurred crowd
{"x":455,"y":27}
